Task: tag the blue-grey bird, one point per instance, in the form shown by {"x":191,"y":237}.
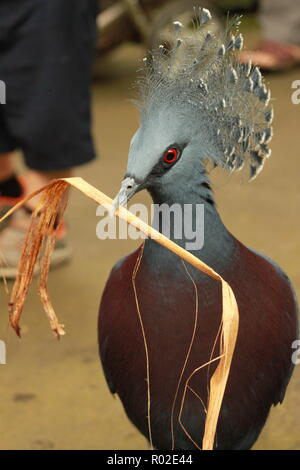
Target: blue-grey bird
{"x":197,"y":105}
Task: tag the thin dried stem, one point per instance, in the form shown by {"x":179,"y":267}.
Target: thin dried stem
{"x":188,"y":352}
{"x":134,"y":274}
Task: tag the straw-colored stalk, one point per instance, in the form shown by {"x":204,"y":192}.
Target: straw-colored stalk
{"x":39,"y":244}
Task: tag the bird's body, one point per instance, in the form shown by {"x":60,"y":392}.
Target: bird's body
{"x":261,"y":367}
{"x":160,"y":318}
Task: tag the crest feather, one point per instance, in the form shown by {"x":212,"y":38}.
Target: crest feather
{"x":227,"y":104}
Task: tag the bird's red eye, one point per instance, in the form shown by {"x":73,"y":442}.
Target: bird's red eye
{"x":171,"y":156}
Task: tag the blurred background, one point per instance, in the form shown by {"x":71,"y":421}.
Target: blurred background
{"x":53,"y":394}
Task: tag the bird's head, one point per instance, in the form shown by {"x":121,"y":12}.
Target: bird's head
{"x":197,"y":103}
{"x":162,"y":151}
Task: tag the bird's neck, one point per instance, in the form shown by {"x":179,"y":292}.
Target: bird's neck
{"x":196,"y":203}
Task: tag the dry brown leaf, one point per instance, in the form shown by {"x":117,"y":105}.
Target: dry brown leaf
{"x":39,"y":243}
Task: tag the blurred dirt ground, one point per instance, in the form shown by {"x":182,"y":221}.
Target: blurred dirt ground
{"x":53,"y":394}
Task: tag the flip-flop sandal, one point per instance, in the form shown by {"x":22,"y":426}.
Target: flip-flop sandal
{"x":12,"y":238}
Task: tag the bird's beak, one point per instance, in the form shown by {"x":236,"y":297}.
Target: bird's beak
{"x":128,"y":189}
